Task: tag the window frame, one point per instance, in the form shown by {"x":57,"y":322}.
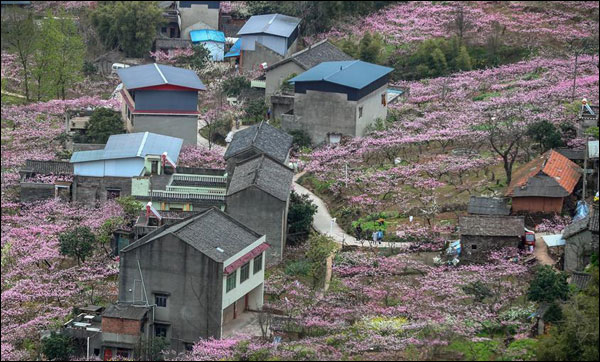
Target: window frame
{"x":233,"y":279}
{"x":161,"y":296}
{"x":244,"y":271}
{"x":360,"y":112}
{"x":161,"y":326}
{"x":257,"y":267}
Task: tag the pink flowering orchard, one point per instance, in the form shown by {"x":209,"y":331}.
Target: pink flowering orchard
{"x":400,"y":286}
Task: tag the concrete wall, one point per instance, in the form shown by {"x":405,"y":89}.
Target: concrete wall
{"x":197,"y":17}
{"x":484,"y":244}
{"x":251,"y":59}
{"x":192,"y":280}
{"x":280,"y":105}
{"x":578,"y":250}
{"x":31,"y":191}
{"x":89,"y":190}
{"x":184,"y":126}
{"x":372,"y":109}
{"x":277,"y":44}
{"x":262,"y":213}
{"x":275,"y":77}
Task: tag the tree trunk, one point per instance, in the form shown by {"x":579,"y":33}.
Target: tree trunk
{"x":574,"y":77}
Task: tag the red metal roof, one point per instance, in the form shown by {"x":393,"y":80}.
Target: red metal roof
{"x":564,"y":171}
{"x":246,"y":258}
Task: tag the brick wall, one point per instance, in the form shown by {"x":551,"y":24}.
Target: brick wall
{"x":121,"y":326}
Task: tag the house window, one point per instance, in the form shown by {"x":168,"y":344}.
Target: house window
{"x":154,"y":167}
{"x":258,"y":263}
{"x":188,"y":346}
{"x":231,"y":279}
{"x":160,"y":330}
{"x":383,"y":99}
{"x":112,"y":193}
{"x":160,"y":299}
{"x":473,"y":246}
{"x":175,"y":208}
{"x":245,"y":272}
{"x":360,"y":112}
{"x":163,"y":30}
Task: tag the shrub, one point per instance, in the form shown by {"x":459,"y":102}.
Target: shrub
{"x":57,"y":347}
{"x":77,"y":243}
{"x":301,"y":138}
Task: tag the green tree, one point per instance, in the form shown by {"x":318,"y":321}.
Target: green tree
{"x":256,"y":110}
{"x":57,"y":347}
{"x":106,"y":230}
{"x":300,"y":217}
{"x":67,"y":65}
{"x":301,"y":138}
{"x":234,"y":86}
{"x":463,"y":60}
{"x":130,"y":206}
{"x":77,"y":243}
{"x":575,"y":338}
{"x":44,"y":57}
{"x":548,"y":285}
{"x":478,"y":290}
{"x":19,"y":32}
{"x":546,"y":135}
{"x":103,"y":123}
{"x":128,"y":25}
{"x":438,"y":62}
{"x":320,"y":248}
{"x":196,"y":61}
{"x":370,"y":48}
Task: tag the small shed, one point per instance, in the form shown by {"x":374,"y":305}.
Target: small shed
{"x":542,"y":184}
{"x":480,"y":234}
{"x":213,"y":40}
{"x":480,"y":205}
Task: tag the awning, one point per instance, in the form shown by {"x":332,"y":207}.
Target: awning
{"x":246,"y":258}
{"x":235,"y":49}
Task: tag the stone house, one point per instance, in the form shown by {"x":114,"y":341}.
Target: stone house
{"x":543,"y":184}
{"x":198,"y":275}
{"x":298,"y":63}
{"x":335,"y":99}
{"x":267,"y":39}
{"x":161,"y":99}
{"x":480,"y":234}
{"x":581,"y":241}
{"x":256,"y":140}
{"x":45,"y":180}
{"x":259,"y":196}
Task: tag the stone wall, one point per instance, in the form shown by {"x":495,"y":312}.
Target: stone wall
{"x":89,"y":190}
{"x":484,"y":245}
{"x":31,"y":191}
{"x":578,"y":250}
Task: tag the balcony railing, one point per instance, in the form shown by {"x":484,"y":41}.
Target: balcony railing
{"x":186,"y":195}
{"x":197,"y":190}
{"x":199,"y":178}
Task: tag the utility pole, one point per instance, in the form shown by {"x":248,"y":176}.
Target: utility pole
{"x":585,"y":162}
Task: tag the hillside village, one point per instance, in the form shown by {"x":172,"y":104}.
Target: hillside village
{"x":216,"y":180}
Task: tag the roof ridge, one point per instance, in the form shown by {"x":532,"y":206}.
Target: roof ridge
{"x":142,"y":144}
{"x":161,"y":73}
{"x":257,"y":131}
{"x":352,"y":62}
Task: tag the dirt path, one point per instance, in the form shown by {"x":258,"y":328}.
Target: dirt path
{"x":541,"y":251}
{"x":322,"y":222}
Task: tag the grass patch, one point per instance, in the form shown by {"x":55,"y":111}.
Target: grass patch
{"x":485,"y":96}
{"x":476,"y":351}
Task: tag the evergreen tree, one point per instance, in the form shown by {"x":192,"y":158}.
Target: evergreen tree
{"x":463,"y":60}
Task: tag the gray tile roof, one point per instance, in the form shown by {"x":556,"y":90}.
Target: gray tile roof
{"x":581,"y":280}
{"x":576,"y":227}
{"x":129,"y":145}
{"x":149,"y":75}
{"x":317,"y":53}
{"x":265,"y":173}
{"x":125,"y":311}
{"x":274,"y":24}
{"x":488,"y":206}
{"x":48,"y":167}
{"x":480,"y":225}
{"x":206,"y":232}
{"x":264,"y":137}
{"x":594,"y":218}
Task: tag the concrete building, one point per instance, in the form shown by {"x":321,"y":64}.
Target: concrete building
{"x":267,"y":38}
{"x":257,"y":140}
{"x":197,"y":275}
{"x":105,"y":174}
{"x":212,"y":40}
{"x":481,"y":234}
{"x":196,"y":15}
{"x":336,"y":99}
{"x":125,"y":327}
{"x":581,"y":241}
{"x":298,"y":63}
{"x":161,"y":99}
{"x":45,"y":180}
{"x":543,"y":184}
{"x":259,"y":196}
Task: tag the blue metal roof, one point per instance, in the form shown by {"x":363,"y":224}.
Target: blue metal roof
{"x":235,"y":49}
{"x":350,"y":73}
{"x":149,"y":75}
{"x":131,"y":145}
{"x":207,"y":35}
{"x":274,"y":24}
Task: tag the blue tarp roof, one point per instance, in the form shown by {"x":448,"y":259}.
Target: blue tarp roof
{"x":274,"y":24}
{"x":130,"y":145}
{"x":350,"y":73}
{"x":149,"y":75}
{"x":554,"y":240}
{"x":207,"y":35}
{"x":235,"y":49}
